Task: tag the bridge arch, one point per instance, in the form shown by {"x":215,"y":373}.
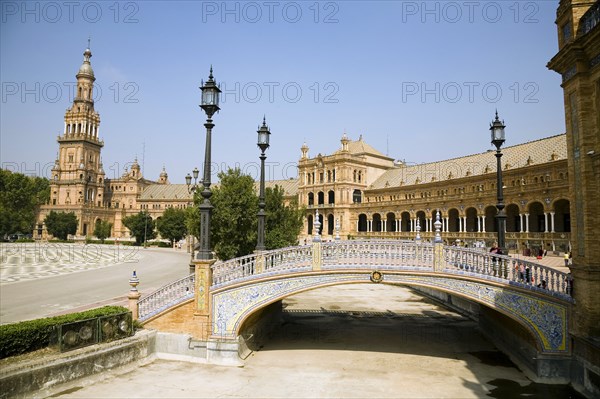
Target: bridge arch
{"x":545,"y":319}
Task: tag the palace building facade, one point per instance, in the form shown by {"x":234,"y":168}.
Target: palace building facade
{"x":357,"y":191}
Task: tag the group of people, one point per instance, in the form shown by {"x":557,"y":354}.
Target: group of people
{"x":523,"y":271}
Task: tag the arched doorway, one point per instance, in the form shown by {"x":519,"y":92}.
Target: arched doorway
{"x":453,"y":222}
{"x":562,"y":216}
{"x":331,"y":197}
{"x":330,"y":224}
{"x":390,"y":222}
{"x":405,"y":222}
{"x":422,"y":221}
{"x":537,"y":223}
{"x":490,"y":219}
{"x":362,"y":222}
{"x":472,"y":225}
{"x":513,"y":218}
{"x":376,"y":222}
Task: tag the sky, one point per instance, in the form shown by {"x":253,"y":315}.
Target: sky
{"x":419,"y":80}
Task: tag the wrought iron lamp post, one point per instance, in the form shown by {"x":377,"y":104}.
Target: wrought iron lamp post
{"x":210,"y":105}
{"x":263,"y":144}
{"x":497,"y":130}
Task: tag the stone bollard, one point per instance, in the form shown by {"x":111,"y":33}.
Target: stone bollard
{"x":134,"y":296}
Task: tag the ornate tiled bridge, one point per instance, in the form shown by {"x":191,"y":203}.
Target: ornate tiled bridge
{"x":228,"y":293}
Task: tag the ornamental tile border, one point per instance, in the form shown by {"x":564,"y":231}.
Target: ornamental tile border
{"x":548,"y":321}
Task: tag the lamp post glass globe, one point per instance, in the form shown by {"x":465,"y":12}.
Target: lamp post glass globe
{"x":497,"y":132}
{"x":210,"y":96}
{"x":188,"y":179}
{"x":195,"y":172}
{"x":263,"y":136}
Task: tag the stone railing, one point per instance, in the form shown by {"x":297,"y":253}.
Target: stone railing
{"x":233,"y":270}
{"x":288,"y":259}
{"x":383,"y":254}
{"x":279,"y":261}
{"x":457,"y":260}
{"x":166,"y":297}
{"x":392,"y":255}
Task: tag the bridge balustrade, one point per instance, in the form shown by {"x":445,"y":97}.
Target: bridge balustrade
{"x":517,"y":271}
{"x":379,"y":254}
{"x":234,"y":269}
{"x":288,"y":259}
{"x":166,"y":297}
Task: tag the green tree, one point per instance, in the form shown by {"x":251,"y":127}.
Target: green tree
{"x":172,"y":224}
{"x":233,"y":222}
{"x":102,"y":229}
{"x":141,"y":227}
{"x":61,"y":224}
{"x":192,"y":220}
{"x":283,"y":223}
{"x":20,"y":198}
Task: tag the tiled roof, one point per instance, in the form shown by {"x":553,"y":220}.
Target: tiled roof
{"x":170,"y":192}
{"x":534,"y":152}
{"x":290,"y":186}
{"x":360,"y":147}
{"x":159,"y":192}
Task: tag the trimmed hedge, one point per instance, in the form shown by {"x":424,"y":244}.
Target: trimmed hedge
{"x":31,"y":335}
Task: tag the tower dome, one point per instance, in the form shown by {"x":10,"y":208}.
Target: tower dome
{"x":86,"y":67}
{"x":163,"y":177}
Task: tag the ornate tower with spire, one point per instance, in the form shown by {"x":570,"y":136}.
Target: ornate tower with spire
{"x":77,"y":175}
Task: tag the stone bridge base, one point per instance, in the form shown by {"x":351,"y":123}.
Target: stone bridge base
{"x":180,"y":336}
{"x":511,"y":338}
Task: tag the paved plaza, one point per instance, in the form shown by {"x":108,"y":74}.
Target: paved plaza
{"x":42,"y":279}
{"x":31,"y":261}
